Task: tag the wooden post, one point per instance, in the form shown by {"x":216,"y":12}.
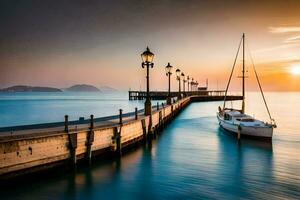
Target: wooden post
{"x":164,"y":110}
{"x":163,"y":107}
{"x":120,"y":116}
{"x":157,"y":106}
{"x":239,"y":132}
{"x":66,"y":123}
{"x":90,"y":140}
{"x":143,"y":121}
{"x":160,"y":121}
{"x":72,"y":148}
{"x":150,"y":131}
{"x":136,"y":113}
{"x":72,"y":142}
{"x":117,"y":141}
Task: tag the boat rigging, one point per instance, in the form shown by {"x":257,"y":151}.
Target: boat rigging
{"x":235,"y":120}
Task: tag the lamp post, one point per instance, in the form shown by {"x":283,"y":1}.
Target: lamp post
{"x":147,"y":58}
{"x":178,"y":79}
{"x":183,"y":82}
{"x":169,"y":73}
{"x":192,"y":84}
{"x":188,"y":82}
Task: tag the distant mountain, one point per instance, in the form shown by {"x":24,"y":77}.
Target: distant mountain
{"x":107,"y":89}
{"x":82,"y":88}
{"x":25,"y":88}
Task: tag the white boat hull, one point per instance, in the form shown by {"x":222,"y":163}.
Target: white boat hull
{"x":265,"y":132}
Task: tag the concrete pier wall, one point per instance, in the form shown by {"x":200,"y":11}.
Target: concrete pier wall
{"x":39,"y":149}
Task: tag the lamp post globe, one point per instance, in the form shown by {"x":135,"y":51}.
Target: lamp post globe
{"x":168,"y":69}
{"x":177,"y":73}
{"x":147,"y":62}
{"x":147,"y":57}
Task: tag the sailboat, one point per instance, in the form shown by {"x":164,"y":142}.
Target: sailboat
{"x":235,"y":120}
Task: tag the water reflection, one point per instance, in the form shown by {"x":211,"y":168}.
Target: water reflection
{"x":224,"y":135}
{"x":247,"y":165}
{"x":191,"y":159}
{"x":103,"y":179}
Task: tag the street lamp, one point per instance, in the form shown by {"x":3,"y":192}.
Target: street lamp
{"x":183,"y":82}
{"x":147,"y":58}
{"x":192,"y":84}
{"x":188,"y":82}
{"x":168,"y":69}
{"x":178,"y":78}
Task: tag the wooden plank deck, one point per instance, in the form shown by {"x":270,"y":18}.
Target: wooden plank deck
{"x":162,"y":95}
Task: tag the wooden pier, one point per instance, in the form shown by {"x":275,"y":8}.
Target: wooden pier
{"x":162,"y":95}
{"x":35,"y":148}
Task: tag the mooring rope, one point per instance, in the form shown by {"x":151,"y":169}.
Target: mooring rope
{"x":260,"y":87}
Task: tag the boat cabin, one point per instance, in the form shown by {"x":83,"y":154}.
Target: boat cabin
{"x":236,"y":115}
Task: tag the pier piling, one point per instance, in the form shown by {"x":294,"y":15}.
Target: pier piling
{"x":144,"y":129}
{"x":136,"y":113}
{"x":72,"y":142}
{"x":160,"y":121}
{"x":150,"y":128}
{"x":72,"y":148}
{"x":120,"y":116}
{"x":117,"y":140}
{"x":66,"y":123}
{"x":90,"y":140}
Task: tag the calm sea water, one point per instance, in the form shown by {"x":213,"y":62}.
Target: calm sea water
{"x":31,"y":107}
{"x":191,"y":159}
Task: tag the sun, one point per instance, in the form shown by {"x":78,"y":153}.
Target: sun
{"x":295,"y":70}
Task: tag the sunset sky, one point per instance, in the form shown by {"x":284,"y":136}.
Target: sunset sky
{"x":60,"y":43}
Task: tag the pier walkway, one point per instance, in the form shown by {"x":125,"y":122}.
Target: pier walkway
{"x":10,"y":133}
{"x":27,"y":149}
{"x":162,"y":95}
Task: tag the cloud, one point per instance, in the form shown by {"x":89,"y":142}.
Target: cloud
{"x":275,"y":48}
{"x":285,"y":29}
{"x":293,"y":39}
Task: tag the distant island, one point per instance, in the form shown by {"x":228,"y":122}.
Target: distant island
{"x":25,"y":88}
{"x":74,"y":88}
{"x":82,"y":88}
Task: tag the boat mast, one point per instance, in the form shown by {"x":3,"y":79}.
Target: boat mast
{"x":243,"y":75}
